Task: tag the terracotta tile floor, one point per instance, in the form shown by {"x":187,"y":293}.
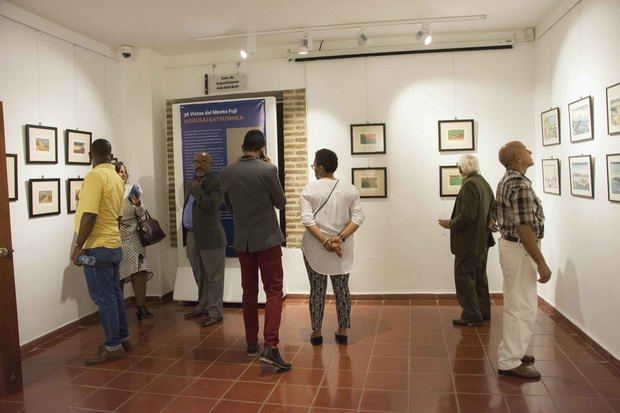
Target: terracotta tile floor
{"x":402,"y":356}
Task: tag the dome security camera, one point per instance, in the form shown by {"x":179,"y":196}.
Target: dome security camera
{"x":126,"y":51}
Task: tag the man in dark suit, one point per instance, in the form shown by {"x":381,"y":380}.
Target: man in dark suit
{"x":470,"y":239}
{"x":204,"y":240}
{"x":251,"y":190}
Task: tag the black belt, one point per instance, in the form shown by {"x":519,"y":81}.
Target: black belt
{"x":511,"y":239}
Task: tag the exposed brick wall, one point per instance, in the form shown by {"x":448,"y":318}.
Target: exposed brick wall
{"x":295,"y":163}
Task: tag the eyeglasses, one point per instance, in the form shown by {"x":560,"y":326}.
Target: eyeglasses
{"x":202,"y":161}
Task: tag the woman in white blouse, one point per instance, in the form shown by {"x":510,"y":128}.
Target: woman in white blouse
{"x":331,"y":211}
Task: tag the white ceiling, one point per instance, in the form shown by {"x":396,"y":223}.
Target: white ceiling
{"x":170,"y":26}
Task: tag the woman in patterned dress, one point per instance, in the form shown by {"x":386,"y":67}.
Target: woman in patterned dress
{"x":134,"y":264}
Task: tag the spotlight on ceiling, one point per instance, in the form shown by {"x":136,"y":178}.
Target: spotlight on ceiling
{"x":250,"y":47}
{"x":306,"y":44}
{"x":424,"y":35}
{"x":363,"y":39}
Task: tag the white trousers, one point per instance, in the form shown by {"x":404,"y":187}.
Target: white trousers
{"x":520,"y":303}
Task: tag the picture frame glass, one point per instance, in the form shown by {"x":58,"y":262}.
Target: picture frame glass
{"x":41,"y":144}
{"x":371,"y":182}
{"x":613,"y":177}
{"x":581,"y":176}
{"x":450,"y":181}
{"x":11,"y":174}
{"x":74,"y":186}
{"x":456,"y":135}
{"x":580,"y":120}
{"x":78,"y":147}
{"x":551,"y":176}
{"x":550,"y":122}
{"x":44,"y":197}
{"x":613,"y":109}
{"x":368,"y":139}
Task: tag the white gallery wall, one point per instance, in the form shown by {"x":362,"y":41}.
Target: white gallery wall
{"x":579,"y":57}
{"x":51,"y":81}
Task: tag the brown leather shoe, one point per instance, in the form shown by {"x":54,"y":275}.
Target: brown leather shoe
{"x":524,"y":371}
{"x":527,"y":359}
{"x":104,"y":355}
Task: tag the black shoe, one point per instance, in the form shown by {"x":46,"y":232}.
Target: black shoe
{"x":126,"y":345}
{"x":143,"y":313}
{"x":194,"y":314}
{"x":253,"y":350}
{"x":208,"y":321}
{"x":316,"y":341}
{"x":341,"y":338}
{"x":271,"y":355}
{"x":527,"y":359}
{"x":464,"y":323}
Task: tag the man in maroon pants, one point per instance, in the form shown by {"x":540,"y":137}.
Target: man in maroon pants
{"x":251,"y":190}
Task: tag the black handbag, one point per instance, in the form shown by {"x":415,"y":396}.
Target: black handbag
{"x":149,"y":231}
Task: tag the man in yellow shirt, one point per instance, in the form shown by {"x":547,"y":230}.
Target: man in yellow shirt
{"x":97,"y":218}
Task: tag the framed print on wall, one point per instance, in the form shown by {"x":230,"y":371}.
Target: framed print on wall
{"x":551,"y":176}
{"x":450,"y":180}
{"x":580,"y":120}
{"x":368,"y":139}
{"x":74,"y":186}
{"x":456,"y":135}
{"x":550,"y":121}
{"x":613,"y":109}
{"x":11,"y":174}
{"x":613,"y":177}
{"x":77,"y":147}
{"x":43,"y":197}
{"x":581,"y":182}
{"x":370,"y":182}
{"x":41,"y":144}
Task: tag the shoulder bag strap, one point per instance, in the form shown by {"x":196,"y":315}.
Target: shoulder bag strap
{"x":328,"y":196}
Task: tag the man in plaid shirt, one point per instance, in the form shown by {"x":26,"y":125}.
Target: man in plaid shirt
{"x":521,"y":223}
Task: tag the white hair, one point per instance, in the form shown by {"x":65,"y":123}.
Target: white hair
{"x":469,"y":163}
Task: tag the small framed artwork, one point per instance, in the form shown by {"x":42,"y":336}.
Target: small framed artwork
{"x":613,"y":109}
{"x":580,"y":120}
{"x":550,"y":121}
{"x":581,"y":183}
{"x":44,"y":197}
{"x":74,"y":186}
{"x":77,"y":147}
{"x":613,"y":177}
{"x":11,"y":174}
{"x":368,"y":139}
{"x":551,"y":176}
{"x":456,"y":135}
{"x":450,"y":181}
{"x":370,"y":182}
{"x":41,"y":144}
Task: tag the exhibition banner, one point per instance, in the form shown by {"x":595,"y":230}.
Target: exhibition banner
{"x":219,"y":128}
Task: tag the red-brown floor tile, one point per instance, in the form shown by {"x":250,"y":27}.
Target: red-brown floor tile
{"x":261,"y":373}
{"x":348,"y":379}
{"x":249,"y":392}
{"x":338,"y":398}
{"x":235,"y":357}
{"x":95,"y":377}
{"x":426,"y":339}
{"x":422,"y":402}
{"x":385,"y":401}
{"x":204,"y":354}
{"x":169,"y":352}
{"x":130,"y":381}
{"x":532,"y":404}
{"x":293,"y":395}
{"x":190,"y":405}
{"x":467,"y":352}
{"x":429,"y":365}
{"x":428,"y":351}
{"x":211,"y":388}
{"x":582,"y":405}
{"x":341,"y":362}
{"x":219,"y":342}
{"x":453,"y":340}
{"x":614,"y":404}
{"x":420,"y":382}
{"x":146,"y":403}
{"x":546,"y":353}
{"x":607,"y":387}
{"x":376,"y":380}
{"x":55,"y":394}
{"x":47,"y":408}
{"x":311,"y":361}
{"x":389,"y":364}
{"x":11,"y":407}
{"x":107,"y":399}
{"x":152,"y":366}
{"x":228,"y":406}
{"x":569,"y":386}
{"x":582,"y":354}
{"x":279,"y":408}
{"x":307,"y":377}
{"x":598,"y":370}
{"x":515,"y":386}
{"x":482,"y":403}
{"x":168,"y":385}
{"x":187,"y":368}
{"x":468,"y":366}
{"x":224,"y":371}
{"x":480,"y":384}
{"x":393,"y":337}
{"x":557,"y":368}
{"x":183,"y":339}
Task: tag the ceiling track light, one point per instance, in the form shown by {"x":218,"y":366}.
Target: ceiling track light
{"x":250,"y":47}
{"x":306,"y":44}
{"x":424,"y":35}
{"x":363,"y":39}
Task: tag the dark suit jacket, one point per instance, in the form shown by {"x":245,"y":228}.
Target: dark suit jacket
{"x":251,"y":189}
{"x":206,"y":222}
{"x":469,"y":232}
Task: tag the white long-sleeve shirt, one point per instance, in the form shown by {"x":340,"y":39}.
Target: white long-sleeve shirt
{"x":342,"y":206}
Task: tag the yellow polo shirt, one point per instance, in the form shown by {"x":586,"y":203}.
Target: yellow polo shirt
{"x":102,"y":194}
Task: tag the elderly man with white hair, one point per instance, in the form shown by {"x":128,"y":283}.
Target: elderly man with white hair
{"x":470,"y":239}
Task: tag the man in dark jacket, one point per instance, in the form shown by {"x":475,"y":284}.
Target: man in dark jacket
{"x":470,"y":239}
{"x":204,"y":240}
{"x":251,"y":191}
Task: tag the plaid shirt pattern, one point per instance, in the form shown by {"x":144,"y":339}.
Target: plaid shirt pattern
{"x":517,"y":204}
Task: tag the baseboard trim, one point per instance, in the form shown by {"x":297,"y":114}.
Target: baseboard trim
{"x":390,"y":297}
{"x":582,"y":334}
{"x":85,"y":320}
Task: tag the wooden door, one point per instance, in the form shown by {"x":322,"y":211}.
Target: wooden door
{"x":10,"y":361}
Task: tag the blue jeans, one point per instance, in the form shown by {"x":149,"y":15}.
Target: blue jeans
{"x":105,"y":291}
